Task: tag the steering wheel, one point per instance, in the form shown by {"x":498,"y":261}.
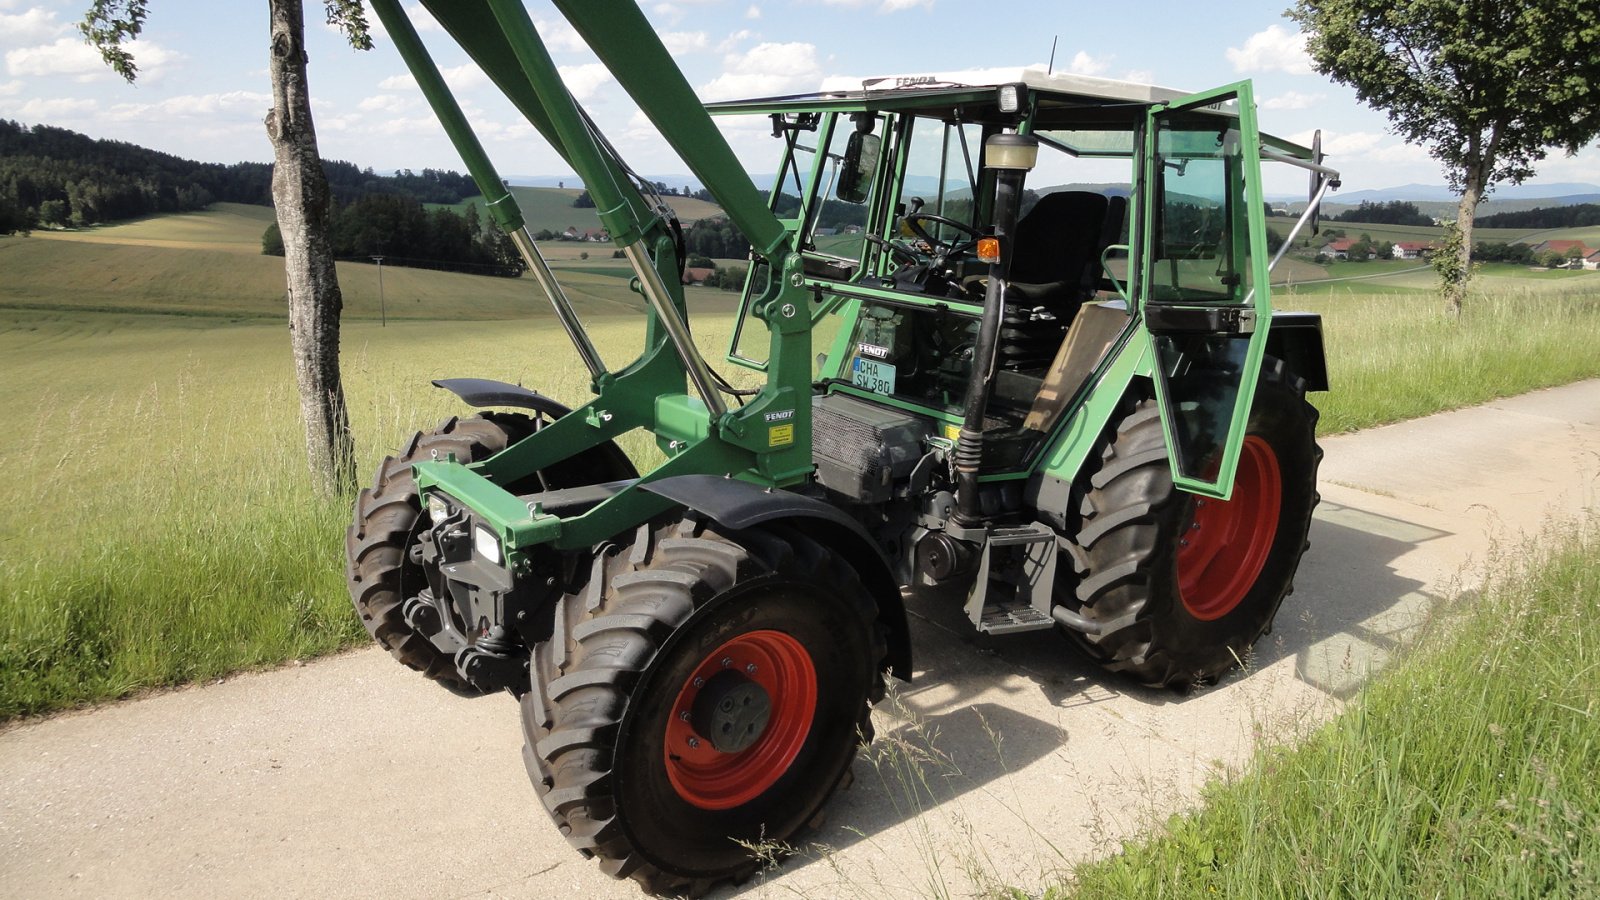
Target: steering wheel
{"x":918,"y":222}
{"x":899,"y":251}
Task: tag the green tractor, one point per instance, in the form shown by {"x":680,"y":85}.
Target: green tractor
{"x":1073,"y":410}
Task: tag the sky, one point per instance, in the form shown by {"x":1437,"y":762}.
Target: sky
{"x":203,"y":88}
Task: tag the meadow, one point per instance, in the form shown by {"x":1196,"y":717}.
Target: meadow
{"x":1465,"y":771}
{"x":159,"y":527}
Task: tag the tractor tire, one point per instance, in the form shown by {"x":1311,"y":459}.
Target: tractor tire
{"x":700,"y":700}
{"x":1183,"y":586}
{"x":389,"y":516}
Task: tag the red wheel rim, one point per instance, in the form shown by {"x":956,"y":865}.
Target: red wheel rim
{"x":1225,"y":544}
{"x":712,"y":779}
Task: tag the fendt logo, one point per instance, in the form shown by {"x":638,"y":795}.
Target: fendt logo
{"x":780,"y":416}
{"x":913,"y":80}
{"x":873,"y":350}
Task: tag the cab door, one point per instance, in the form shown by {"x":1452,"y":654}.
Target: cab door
{"x":1202,"y":285}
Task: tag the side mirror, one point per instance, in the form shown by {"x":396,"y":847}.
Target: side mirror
{"x":861,"y":155}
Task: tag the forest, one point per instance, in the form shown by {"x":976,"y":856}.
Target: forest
{"x":54,"y":177}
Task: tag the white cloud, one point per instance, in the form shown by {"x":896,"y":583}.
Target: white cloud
{"x":226,"y":104}
{"x":766,"y":70}
{"x":38,"y":110}
{"x":1293,"y":100}
{"x":884,"y":6}
{"x":421,"y":19}
{"x":72,"y":57}
{"x":583,"y":81}
{"x":10,"y":88}
{"x":559,"y":36}
{"x":388,"y":103}
{"x":1084,"y":64}
{"x":754,"y":12}
{"x":34,"y":24}
{"x":682,"y":42}
{"x":734,"y":40}
{"x":1273,"y":50}
{"x":1140,"y":76}
{"x":464,"y":77}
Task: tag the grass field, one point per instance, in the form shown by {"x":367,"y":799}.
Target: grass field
{"x":551,"y":208}
{"x":1466,"y":771}
{"x":160,"y":530}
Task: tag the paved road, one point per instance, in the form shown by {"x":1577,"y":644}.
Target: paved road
{"x":1010,"y":758}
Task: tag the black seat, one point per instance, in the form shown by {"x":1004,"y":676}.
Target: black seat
{"x":1055,"y":256}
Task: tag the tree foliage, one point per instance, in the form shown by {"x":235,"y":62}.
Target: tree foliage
{"x":1489,"y":87}
{"x":1392,"y":212}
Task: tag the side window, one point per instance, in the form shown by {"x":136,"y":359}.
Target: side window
{"x":1200,"y":247}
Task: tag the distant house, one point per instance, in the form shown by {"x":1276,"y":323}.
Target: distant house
{"x":696,"y":274}
{"x":1411,"y":250}
{"x":1564,"y":249}
{"x":596,"y":235}
{"x":1592,"y":261}
{"x":571,"y":234}
{"x":1339,"y":249}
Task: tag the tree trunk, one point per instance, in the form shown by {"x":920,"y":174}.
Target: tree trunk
{"x":300,"y":196}
{"x":1466,"y":211}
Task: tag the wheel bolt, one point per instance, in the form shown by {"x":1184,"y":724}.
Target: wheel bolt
{"x":694,"y":743}
{"x":750,"y":669}
{"x":1183,"y":543}
{"x":684,"y":715}
{"x":727,"y":661}
{"x":698,"y":681}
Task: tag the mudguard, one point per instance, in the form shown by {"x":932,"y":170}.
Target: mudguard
{"x":611,"y":464}
{"x":739,"y":505}
{"x":1296,"y":338}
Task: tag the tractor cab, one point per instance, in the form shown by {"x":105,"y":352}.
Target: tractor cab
{"x":1132,"y":219}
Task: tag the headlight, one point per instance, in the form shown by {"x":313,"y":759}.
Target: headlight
{"x":487,"y":545}
{"x":438,"y":508}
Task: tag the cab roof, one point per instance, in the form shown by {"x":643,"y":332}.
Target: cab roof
{"x":1065,"y":100}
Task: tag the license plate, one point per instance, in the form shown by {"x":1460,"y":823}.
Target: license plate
{"x":875,"y":376}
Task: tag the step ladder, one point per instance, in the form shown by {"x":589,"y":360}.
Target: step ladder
{"x":1012,"y":590}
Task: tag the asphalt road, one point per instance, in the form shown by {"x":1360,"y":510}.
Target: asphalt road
{"x":1007,"y":758}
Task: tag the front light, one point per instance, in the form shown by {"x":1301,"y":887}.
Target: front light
{"x":487,"y":545}
{"x":438,"y":508}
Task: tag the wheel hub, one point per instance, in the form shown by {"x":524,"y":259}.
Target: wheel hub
{"x":731,"y":710}
{"x":1225,"y":546}
{"x":740,"y":719}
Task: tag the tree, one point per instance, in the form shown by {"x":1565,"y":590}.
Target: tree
{"x":1489,"y":87}
{"x":300,"y":196}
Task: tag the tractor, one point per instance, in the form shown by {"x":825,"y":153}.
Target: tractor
{"x":1069,"y":409}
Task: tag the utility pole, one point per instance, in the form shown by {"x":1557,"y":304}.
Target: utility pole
{"x":383,"y":310}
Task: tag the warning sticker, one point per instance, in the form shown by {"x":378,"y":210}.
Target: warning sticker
{"x":780,"y":435}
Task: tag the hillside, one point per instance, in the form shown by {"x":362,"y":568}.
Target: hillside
{"x":551,"y":209}
{"x":209,"y":264}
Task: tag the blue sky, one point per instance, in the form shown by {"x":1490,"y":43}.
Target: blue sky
{"x":204,"y":86}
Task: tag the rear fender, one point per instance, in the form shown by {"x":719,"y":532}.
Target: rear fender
{"x":1296,"y":338}
{"x":739,"y":505}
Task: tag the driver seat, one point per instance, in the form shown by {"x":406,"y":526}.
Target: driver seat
{"x":1055,"y":256}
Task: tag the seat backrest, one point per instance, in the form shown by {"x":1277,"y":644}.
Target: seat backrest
{"x":1061,"y":239}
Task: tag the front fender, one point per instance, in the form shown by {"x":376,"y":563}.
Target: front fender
{"x":739,"y":505}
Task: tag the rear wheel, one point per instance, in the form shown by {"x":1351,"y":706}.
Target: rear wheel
{"x":1182,"y":586}
{"x":705,"y":695}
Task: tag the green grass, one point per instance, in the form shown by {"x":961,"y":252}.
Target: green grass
{"x":1465,"y":771}
{"x":159,"y":529}
{"x":1395,"y":357}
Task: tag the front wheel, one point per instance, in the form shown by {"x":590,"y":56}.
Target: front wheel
{"x":1183,"y":586}
{"x":702,"y":698}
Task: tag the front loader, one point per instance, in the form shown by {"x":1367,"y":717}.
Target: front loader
{"x":1071,"y":410}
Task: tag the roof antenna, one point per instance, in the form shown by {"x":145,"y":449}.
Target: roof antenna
{"x":1051,"y":70}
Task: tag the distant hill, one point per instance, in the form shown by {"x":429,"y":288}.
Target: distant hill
{"x":54,"y":176}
